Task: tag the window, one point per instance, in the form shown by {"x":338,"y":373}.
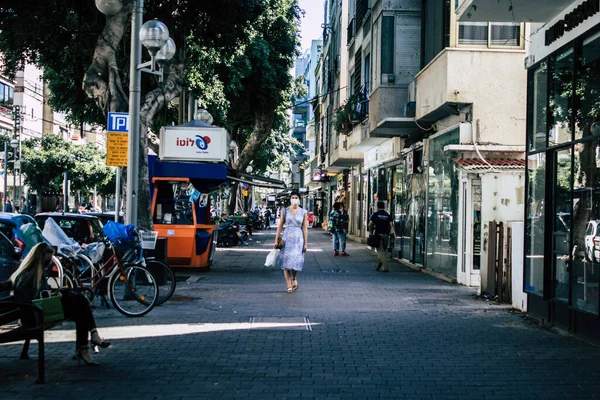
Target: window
{"x":6,"y":96}
{"x":538,"y":93}
{"x":483,"y":34}
{"x":534,"y":225}
{"x":561,"y":95}
{"x":387,"y":45}
{"x":588,"y":89}
{"x":174,"y":204}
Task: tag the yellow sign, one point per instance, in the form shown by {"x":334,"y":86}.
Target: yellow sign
{"x":245,"y":193}
{"x":116,"y":149}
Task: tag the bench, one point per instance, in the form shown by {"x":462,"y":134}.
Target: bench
{"x":11,"y":331}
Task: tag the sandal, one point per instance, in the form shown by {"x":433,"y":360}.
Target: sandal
{"x":289,"y":289}
{"x":295,"y":285}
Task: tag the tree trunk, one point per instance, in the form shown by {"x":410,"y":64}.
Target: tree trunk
{"x":263,"y":125}
{"x":102,"y":81}
{"x":153,"y":102}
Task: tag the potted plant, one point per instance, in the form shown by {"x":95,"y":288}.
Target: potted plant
{"x":341,"y":119}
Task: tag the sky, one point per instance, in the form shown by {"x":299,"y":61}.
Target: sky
{"x":311,"y":22}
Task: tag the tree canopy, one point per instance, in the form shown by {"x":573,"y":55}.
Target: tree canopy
{"x":235,"y":55}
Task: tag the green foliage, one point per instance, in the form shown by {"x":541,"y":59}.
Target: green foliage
{"x":255,"y":79}
{"x":44,"y":161}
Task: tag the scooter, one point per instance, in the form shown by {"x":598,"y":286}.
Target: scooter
{"x":227,"y":234}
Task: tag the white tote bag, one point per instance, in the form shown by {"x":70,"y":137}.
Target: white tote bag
{"x":272,"y":258}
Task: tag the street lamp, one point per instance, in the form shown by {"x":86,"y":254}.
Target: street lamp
{"x":154,"y":35}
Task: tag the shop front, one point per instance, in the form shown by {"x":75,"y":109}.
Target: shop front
{"x":442,"y":205}
{"x":562,"y":227}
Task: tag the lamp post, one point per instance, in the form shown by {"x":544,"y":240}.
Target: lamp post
{"x":154,"y":35}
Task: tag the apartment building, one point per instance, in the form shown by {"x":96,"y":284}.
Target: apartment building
{"x":422,"y":111}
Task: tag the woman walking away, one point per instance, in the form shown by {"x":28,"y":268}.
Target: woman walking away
{"x":339,"y":220}
{"x":27,"y":283}
{"x":293,"y":222}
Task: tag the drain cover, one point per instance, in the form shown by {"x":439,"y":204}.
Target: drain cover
{"x":288,"y":323}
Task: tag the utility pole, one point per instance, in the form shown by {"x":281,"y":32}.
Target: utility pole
{"x":16,"y":139}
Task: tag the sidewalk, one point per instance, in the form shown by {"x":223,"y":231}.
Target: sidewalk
{"x":349,"y":332}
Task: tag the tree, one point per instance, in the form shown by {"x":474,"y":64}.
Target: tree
{"x":46,"y":159}
{"x":87,"y":79}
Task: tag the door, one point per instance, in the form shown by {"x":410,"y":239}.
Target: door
{"x":463,"y":232}
{"x":469,"y":231}
{"x":561,"y":226}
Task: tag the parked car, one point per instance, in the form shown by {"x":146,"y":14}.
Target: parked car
{"x":83,"y":228}
{"x":10,"y":225}
{"x":592,"y":241}
{"x":105,"y":216}
{"x":10,"y":257}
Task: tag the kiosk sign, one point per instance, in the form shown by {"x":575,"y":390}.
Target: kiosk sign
{"x":193,"y":144}
{"x":117,"y":140}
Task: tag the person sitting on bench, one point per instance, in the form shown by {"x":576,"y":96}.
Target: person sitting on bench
{"x":27,"y":283}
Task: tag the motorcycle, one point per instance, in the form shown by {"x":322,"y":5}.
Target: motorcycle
{"x":227,"y":234}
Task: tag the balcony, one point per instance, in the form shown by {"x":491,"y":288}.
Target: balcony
{"x":387,"y":118}
{"x":495,"y":84}
{"x":513,"y":11}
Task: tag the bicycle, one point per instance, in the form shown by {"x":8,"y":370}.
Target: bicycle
{"x":131,"y":288}
{"x":80,"y":268}
{"x":163,"y":274}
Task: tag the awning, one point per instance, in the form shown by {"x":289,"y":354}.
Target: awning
{"x":204,"y":176}
{"x":495,"y":164}
{"x":257,"y":180}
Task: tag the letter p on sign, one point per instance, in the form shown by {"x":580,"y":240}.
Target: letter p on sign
{"x":117,"y":122}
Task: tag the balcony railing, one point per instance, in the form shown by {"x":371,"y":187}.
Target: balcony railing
{"x":350,"y":31}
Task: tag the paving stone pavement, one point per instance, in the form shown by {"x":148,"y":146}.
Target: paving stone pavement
{"x":349,"y":332}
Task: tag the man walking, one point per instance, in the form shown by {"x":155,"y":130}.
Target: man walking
{"x":381,"y":221}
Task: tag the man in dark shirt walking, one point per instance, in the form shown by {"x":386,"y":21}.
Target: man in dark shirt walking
{"x":381,"y":222}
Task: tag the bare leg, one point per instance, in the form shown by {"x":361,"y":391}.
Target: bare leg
{"x":288,"y":280}
{"x":294,"y":281}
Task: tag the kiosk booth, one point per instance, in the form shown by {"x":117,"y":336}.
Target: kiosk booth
{"x":192,"y":163}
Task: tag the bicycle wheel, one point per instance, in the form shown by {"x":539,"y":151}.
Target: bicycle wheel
{"x":165,"y":279}
{"x":133,"y":292}
{"x":53,"y":281}
{"x":85,"y":270}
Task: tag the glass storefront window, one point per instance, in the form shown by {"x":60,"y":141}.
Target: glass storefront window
{"x":442,"y":207}
{"x":399,"y":211}
{"x":585,"y":276}
{"x":534,"y":225}
{"x":561,"y":98}
{"x":174,"y":204}
{"x":562,"y":223}
{"x":588,"y":89}
{"x":538,"y":108}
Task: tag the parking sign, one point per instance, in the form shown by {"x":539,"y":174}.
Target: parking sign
{"x":118,"y":122}
{"x":117,"y":141}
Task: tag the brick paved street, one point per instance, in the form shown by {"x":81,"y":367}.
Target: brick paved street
{"x":349,"y":332}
